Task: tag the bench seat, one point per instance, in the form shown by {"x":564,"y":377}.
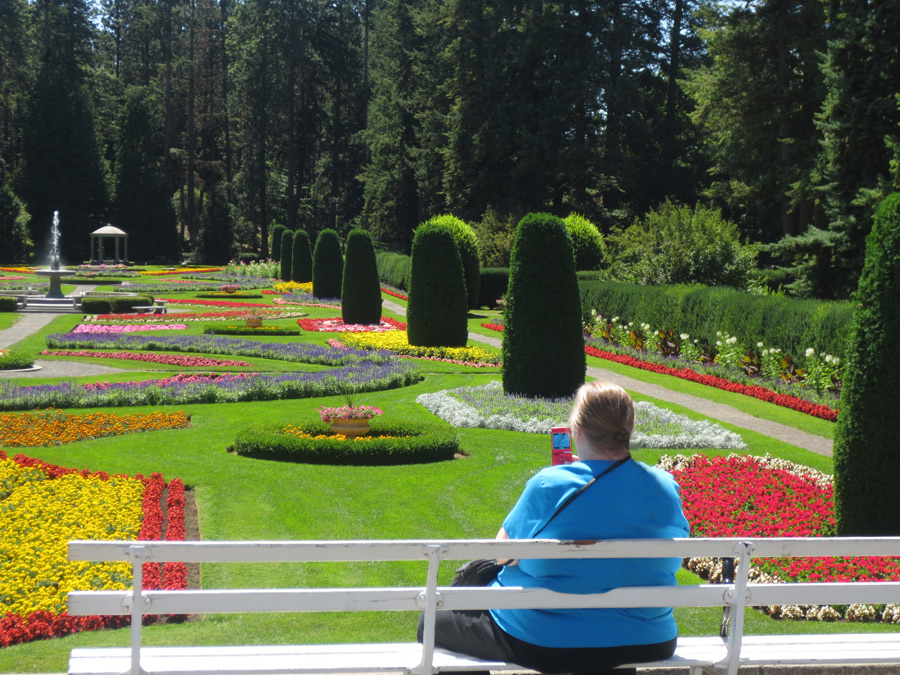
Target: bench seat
{"x":345,"y":658}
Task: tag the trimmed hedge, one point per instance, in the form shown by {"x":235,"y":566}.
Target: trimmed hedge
{"x":15,"y":361}
{"x":543,"y":342}
{"x":328,"y":265}
{"x":277,"y":233}
{"x":8,"y":303}
{"x":790,"y":324}
{"x":393,"y":269}
{"x":360,"y":289}
{"x":493,"y":286}
{"x":866,"y":461}
{"x":436,"y":309}
{"x":467,"y":245}
{"x":113,"y":305}
{"x":411,"y":444}
{"x":287,"y":249}
{"x":301,"y":258}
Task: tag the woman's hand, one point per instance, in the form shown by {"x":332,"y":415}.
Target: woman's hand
{"x":506,"y":561}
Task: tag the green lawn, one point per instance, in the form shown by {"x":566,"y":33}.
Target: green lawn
{"x":241,"y":498}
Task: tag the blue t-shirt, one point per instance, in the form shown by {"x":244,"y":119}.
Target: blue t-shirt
{"x":634,"y":501}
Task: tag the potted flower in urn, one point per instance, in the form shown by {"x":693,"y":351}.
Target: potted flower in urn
{"x":349,"y":420}
{"x":230,"y":288}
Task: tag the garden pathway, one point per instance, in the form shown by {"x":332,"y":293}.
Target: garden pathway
{"x":718,"y":411}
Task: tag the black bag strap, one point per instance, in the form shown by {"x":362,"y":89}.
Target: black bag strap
{"x":572,"y":497}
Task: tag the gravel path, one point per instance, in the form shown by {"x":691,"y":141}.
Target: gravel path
{"x":717,"y":411}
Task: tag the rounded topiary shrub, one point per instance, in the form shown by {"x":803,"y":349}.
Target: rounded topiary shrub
{"x":587,"y":242}
{"x":360,"y":289}
{"x":301,"y":258}
{"x":277,"y":232}
{"x":388,"y":443}
{"x":328,"y":265}
{"x":436,"y":309}
{"x":467,"y":244}
{"x":866,"y":461}
{"x":287,"y":249}
{"x":543,"y":343}
{"x":10,"y":360}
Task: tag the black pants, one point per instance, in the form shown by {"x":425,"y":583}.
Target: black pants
{"x":475,"y":633}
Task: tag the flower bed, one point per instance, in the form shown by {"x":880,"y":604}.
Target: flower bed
{"x":815,"y":409}
{"x":54,"y":427}
{"x":167,"y":359}
{"x":44,"y":507}
{"x":270,"y":313}
{"x":125,"y":328}
{"x":765,"y":497}
{"x":214,"y":303}
{"x":396,"y":294}
{"x":307,"y":300}
{"x":488,"y":407}
{"x":16,"y":270}
{"x":226,"y":294}
{"x":209,"y":388}
{"x":389,"y":443}
{"x":336,"y":325}
{"x":182,"y":270}
{"x":11,"y":278}
{"x":397,"y":343}
{"x":293,"y":287}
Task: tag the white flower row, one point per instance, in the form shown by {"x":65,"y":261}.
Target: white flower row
{"x":654,"y":427}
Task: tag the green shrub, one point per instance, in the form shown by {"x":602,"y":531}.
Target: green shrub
{"x":393,"y":269}
{"x":10,"y":360}
{"x":866,"y":461}
{"x":328,"y":265}
{"x":436,"y":309}
{"x":301,"y":258}
{"x":277,"y":232}
{"x":113,"y":305}
{"x":8,"y":303}
{"x":467,"y":245}
{"x":677,"y":245}
{"x":493,"y":285}
{"x":262,"y":331}
{"x":410,"y":444}
{"x":587,"y":242}
{"x":495,"y":235}
{"x":287,"y":250}
{"x":543,"y":343}
{"x":790,"y":324}
{"x":360,"y":289}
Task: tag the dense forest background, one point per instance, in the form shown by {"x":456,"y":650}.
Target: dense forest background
{"x":171,"y":117}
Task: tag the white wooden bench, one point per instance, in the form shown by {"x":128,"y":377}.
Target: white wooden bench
{"x":694,"y":653}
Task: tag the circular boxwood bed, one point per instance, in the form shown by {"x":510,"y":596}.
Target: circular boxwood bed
{"x":388,"y":443}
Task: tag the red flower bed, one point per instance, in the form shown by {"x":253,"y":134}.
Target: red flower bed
{"x":763,"y":394}
{"x":16,"y":629}
{"x":214,"y":303}
{"x":395,"y":294}
{"x":493,"y":326}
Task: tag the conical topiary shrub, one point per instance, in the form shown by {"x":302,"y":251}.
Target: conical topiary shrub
{"x":866,"y":457}
{"x":328,"y":265}
{"x":361,"y":289}
{"x":287,"y":249}
{"x":301,"y":258}
{"x":436,"y":309}
{"x":467,"y":244}
{"x":277,"y":232}
{"x":543,"y":343}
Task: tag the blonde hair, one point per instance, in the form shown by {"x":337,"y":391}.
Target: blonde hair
{"x":605,"y":414}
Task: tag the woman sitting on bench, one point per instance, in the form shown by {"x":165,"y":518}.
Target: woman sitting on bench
{"x":629,"y":501}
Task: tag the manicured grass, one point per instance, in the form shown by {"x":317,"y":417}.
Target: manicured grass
{"x":241,"y":498}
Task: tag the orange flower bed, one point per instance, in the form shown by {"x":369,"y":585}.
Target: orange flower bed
{"x":54,"y":427}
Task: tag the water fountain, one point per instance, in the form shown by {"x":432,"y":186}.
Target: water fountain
{"x":54,"y":273}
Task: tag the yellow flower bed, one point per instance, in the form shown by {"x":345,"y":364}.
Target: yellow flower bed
{"x":294,"y":287}
{"x":54,"y":427}
{"x":39,"y":515}
{"x":397,"y":342}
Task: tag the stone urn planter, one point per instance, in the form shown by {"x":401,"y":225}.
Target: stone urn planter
{"x":254,"y":322}
{"x":350,"y":428}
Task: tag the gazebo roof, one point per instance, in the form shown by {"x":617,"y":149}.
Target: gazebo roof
{"x":108,"y":230}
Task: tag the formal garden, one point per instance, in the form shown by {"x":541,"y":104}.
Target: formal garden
{"x":333,"y":397}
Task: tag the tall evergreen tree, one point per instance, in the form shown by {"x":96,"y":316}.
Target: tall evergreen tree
{"x":215,"y":240}
{"x":360,"y":288}
{"x":301,"y":258}
{"x":142,"y":205}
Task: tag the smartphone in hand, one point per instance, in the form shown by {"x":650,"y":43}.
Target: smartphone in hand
{"x":561,"y":443}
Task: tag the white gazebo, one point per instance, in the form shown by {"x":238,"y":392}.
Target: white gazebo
{"x":107,"y":231}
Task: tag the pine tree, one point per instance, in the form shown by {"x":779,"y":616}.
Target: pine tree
{"x":361,"y":288}
{"x":301,"y":258}
{"x":537,"y":361}
{"x":866,"y":460}
{"x":12,"y":230}
{"x":142,"y":206}
{"x":436,"y":311}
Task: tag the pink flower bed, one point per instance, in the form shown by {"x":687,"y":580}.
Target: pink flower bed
{"x":125,"y":328}
{"x":336,"y":325}
{"x":282,"y":301}
{"x":11,"y":278}
{"x":181,"y":378}
{"x":213,"y":303}
{"x":167,"y":359}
